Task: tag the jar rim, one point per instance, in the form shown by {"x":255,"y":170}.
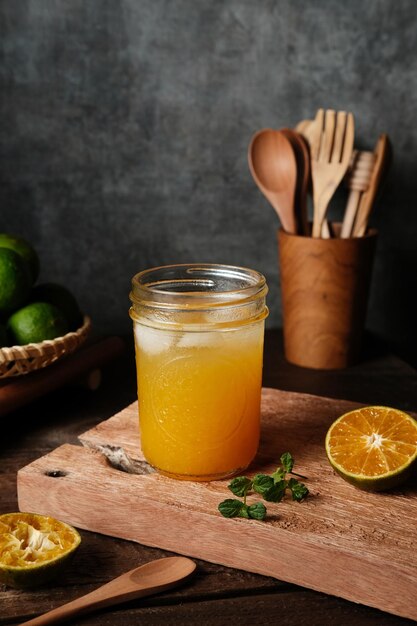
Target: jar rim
{"x":199,"y":285}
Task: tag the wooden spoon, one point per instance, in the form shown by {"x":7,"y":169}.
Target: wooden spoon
{"x":302,"y":158}
{"x":145,"y":580}
{"x":274,"y":168}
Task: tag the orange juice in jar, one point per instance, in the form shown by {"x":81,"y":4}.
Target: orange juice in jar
{"x":199,"y":342}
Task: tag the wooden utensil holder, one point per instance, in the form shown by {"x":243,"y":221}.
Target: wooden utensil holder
{"x":324,"y":288}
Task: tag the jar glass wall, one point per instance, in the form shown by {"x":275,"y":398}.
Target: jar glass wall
{"x":199,"y":333}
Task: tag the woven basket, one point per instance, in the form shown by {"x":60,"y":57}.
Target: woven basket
{"x":18,"y":360}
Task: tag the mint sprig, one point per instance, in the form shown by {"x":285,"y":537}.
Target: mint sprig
{"x":240,"y":486}
{"x":287,"y":462}
{"x":298,"y":490}
{"x":236,"y":508}
{"x":272,"y":487}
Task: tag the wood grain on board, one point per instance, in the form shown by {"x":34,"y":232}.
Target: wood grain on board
{"x":342,"y":541}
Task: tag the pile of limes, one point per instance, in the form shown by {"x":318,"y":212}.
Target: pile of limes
{"x":30,"y":312}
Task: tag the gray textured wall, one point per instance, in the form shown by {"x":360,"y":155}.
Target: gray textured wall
{"x":125,"y":126}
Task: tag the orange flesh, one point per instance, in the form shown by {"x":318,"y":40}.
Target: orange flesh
{"x":28,"y":539}
{"x":373,"y":441}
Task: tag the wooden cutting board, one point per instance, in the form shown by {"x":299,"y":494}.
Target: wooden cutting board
{"x":342,"y":541}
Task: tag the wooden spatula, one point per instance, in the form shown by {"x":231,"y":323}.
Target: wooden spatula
{"x":302,"y":128}
{"x":383,"y":156}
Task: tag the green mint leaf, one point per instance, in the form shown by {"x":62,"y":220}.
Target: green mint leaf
{"x":240,"y":486}
{"x":278,"y":475}
{"x":276,"y":492}
{"x":244,"y":511}
{"x":271,"y":487}
{"x":270,"y":491}
{"x":262,"y":482}
{"x":257,"y":511}
{"x":287,"y":462}
{"x":230,"y":507}
{"x":298,"y":490}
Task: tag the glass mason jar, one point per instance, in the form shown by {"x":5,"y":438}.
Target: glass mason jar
{"x":199,"y":333}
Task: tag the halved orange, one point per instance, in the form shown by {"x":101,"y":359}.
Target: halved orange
{"x":374,"y":447}
{"x":34,"y":548}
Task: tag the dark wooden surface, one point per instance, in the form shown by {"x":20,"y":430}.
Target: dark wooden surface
{"x":216,"y":595}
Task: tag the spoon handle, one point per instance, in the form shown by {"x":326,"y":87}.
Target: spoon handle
{"x":89,"y":602}
{"x":138,"y":583}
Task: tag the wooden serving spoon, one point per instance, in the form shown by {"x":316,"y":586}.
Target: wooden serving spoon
{"x":145,"y":580}
{"x":302,"y":157}
{"x":274,"y":168}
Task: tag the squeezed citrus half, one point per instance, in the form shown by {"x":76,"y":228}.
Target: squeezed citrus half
{"x":373,"y":447}
{"x":33,"y":548}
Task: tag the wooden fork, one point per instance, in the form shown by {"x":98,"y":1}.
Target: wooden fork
{"x":331,"y":138}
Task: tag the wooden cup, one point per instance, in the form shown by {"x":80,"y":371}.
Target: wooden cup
{"x":324,"y":288}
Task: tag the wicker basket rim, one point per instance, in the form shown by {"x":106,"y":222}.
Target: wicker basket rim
{"x":14,"y":353}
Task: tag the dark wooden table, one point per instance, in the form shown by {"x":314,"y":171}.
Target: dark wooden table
{"x":216,"y":595}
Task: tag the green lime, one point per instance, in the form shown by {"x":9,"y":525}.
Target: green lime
{"x":62,"y":298}
{"x":34,"y":548}
{"x":24,"y":249}
{"x":15,"y":280}
{"x":36,"y":322}
{"x":373,"y":447}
